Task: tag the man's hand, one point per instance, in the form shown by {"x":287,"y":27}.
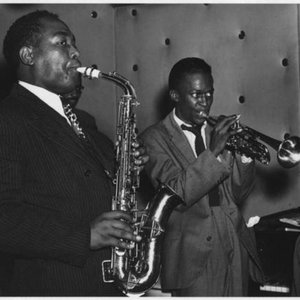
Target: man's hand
{"x":141,"y":157}
{"x":221,"y":132}
{"x":113,"y":229}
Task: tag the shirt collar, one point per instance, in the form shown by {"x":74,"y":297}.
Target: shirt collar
{"x":51,"y":99}
{"x":180,"y":122}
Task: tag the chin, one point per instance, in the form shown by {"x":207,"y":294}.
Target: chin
{"x":69,"y":85}
{"x":198,"y":119}
{"x":65,"y":90}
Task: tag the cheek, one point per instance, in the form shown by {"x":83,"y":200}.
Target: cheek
{"x":53,"y":65}
{"x":191,"y":104}
{"x":210,"y":102}
{"x":188,"y":107}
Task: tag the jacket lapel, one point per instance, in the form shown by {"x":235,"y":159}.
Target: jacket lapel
{"x":178,"y":138}
{"x":48,"y":122}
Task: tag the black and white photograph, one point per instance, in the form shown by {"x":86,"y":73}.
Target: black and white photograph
{"x":149,"y":149}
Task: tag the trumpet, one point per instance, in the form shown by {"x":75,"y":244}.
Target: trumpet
{"x":246,"y":142}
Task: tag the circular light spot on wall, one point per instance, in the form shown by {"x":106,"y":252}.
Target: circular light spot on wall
{"x":167,"y":41}
{"x":135,"y":68}
{"x":134,"y":12}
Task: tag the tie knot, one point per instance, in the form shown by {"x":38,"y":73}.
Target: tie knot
{"x":68,"y":110}
{"x":195,"y":129}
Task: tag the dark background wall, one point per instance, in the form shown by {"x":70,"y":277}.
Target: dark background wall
{"x":252,"y":48}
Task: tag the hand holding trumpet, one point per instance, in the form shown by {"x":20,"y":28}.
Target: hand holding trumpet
{"x":229,"y":133}
{"x":224,"y":128}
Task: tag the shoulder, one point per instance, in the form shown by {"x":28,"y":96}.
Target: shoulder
{"x":152,"y":133}
{"x":161,"y":129}
{"x":12,"y":112}
{"x":16,"y":102}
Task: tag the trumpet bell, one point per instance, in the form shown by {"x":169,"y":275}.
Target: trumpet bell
{"x":246,"y":142}
{"x":288,"y":154}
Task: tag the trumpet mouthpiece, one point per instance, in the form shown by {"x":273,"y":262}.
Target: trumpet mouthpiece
{"x":89,"y":72}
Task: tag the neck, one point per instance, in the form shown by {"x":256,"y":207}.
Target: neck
{"x":178,"y":115}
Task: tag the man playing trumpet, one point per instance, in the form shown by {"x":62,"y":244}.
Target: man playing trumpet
{"x":208,"y":249}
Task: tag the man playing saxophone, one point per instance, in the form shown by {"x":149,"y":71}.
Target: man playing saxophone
{"x":208,"y":249}
{"x":56,"y":223}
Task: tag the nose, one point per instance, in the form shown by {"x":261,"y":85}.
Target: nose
{"x":203,"y":100}
{"x":74,"y":52}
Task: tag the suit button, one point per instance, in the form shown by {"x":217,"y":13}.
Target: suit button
{"x":87,"y":173}
{"x":209,"y":238}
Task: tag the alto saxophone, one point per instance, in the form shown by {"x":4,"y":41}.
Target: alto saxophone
{"x":136,"y":270}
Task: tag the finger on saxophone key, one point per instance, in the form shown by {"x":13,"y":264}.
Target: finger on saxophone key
{"x":140,"y":154}
{"x":110,"y":227}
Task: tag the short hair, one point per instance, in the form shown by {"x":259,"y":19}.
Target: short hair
{"x":24,"y":31}
{"x":188,"y":65}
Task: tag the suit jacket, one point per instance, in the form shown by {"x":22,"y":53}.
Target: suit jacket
{"x":51,"y":188}
{"x":86,"y":120}
{"x":296,"y":269}
{"x":189,"y":237}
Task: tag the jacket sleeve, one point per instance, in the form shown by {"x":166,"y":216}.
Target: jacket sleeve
{"x":243,"y":179}
{"x":168,"y":165}
{"x":28,"y":230}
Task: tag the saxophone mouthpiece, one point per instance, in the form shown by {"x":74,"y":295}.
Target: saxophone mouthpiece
{"x":89,"y":72}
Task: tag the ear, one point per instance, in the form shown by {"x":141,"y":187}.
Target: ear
{"x":26,"y":55}
{"x":174,"y":95}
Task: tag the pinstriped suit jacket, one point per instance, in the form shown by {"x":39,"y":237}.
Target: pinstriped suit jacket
{"x":189,"y":237}
{"x":50,"y":190}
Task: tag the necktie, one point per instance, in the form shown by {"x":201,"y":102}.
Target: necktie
{"x":83,"y":138}
{"x":74,"y":121}
{"x":199,"y":146}
{"x":196,"y":130}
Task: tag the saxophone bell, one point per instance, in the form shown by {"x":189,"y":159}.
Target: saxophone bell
{"x":134,"y":271}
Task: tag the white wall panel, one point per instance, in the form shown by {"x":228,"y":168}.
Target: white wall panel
{"x":251,"y":67}
{"x":143,"y":41}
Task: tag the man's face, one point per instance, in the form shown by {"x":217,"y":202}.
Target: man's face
{"x":56,"y":58}
{"x":193,"y":96}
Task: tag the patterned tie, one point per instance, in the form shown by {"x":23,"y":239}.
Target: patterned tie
{"x":74,"y":121}
{"x":214,"y":197}
{"x":85,"y":141}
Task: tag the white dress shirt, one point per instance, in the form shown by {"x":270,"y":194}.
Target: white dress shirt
{"x":51,"y":99}
{"x":189,"y":135}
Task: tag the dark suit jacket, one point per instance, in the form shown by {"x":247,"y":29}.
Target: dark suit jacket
{"x":296,"y":269}
{"x":50,"y":190}
{"x":189,"y":237}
